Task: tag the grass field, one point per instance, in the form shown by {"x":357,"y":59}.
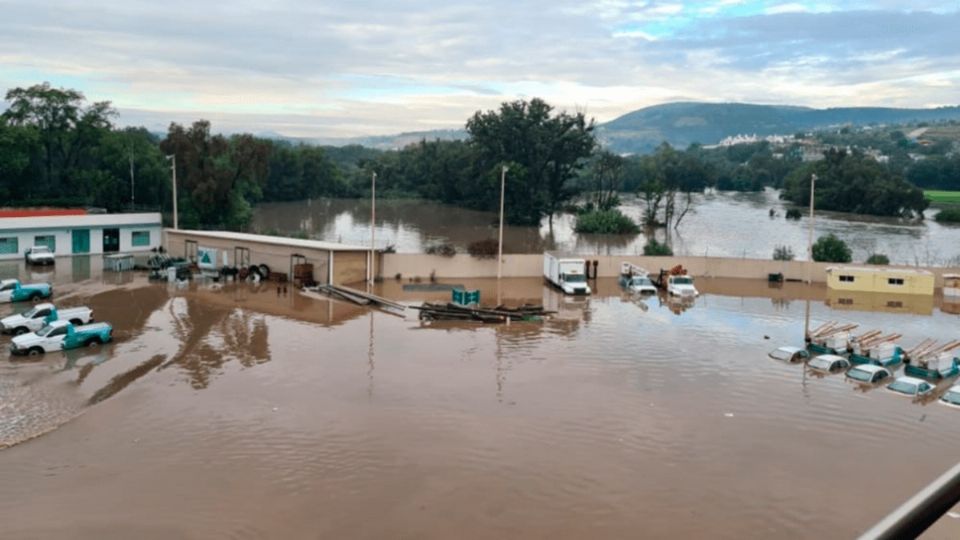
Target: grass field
{"x":943,"y":197}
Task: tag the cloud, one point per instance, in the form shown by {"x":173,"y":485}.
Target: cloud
{"x":380,"y":66}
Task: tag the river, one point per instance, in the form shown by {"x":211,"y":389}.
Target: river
{"x":721,"y":224}
{"x":239,"y":411}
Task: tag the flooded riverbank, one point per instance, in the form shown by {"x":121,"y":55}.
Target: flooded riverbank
{"x":239,"y":412}
{"x":717,"y":227}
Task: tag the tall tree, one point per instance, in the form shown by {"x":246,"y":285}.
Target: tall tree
{"x":546,"y":151}
{"x":218,"y":177}
{"x":67,"y":128}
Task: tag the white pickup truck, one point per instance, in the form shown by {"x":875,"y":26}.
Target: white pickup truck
{"x":41,"y":314}
{"x":39,"y":255}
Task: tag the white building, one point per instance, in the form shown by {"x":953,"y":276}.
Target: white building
{"x":90,"y":234}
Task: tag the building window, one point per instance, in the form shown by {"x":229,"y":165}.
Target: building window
{"x":895,"y":304}
{"x":895,"y":281}
{"x":846,"y":279}
{"x":140,"y":238}
{"x":47,"y":240}
{"x":845,"y":301}
{"x":9,"y":245}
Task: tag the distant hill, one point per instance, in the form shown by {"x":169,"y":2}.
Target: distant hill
{"x":684,"y":123}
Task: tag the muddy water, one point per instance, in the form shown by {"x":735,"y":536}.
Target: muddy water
{"x":236,"y":412}
{"x":717,"y":226}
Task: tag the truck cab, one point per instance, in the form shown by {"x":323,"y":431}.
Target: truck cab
{"x":11,"y":290}
{"x":39,"y":255}
{"x":682,"y":286}
{"x":42,"y":314}
{"x":568,"y":274}
{"x":60,"y":336}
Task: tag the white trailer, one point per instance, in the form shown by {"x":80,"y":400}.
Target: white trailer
{"x":567,"y":274}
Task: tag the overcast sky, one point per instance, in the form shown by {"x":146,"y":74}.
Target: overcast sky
{"x":314,"y":68}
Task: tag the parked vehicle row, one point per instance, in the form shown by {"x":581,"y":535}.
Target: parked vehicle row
{"x":871,"y":374}
{"x":44,"y":328}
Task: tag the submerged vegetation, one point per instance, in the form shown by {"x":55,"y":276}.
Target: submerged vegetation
{"x":605,"y":222}
{"x":829,"y":248}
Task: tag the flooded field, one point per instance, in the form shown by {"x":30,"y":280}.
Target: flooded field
{"x":241,"y":412}
{"x":716,"y":227}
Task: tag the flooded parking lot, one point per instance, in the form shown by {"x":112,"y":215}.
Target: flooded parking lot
{"x":241,"y":412}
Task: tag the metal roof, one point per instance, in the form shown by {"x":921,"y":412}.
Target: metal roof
{"x":274,"y":240}
{"x":879,"y":270}
{"x":74,"y":222}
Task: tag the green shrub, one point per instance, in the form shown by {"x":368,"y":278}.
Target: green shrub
{"x":483,"y":249}
{"x":794,"y":213}
{"x":950,"y":215}
{"x":605,"y":222}
{"x":656,"y":249}
{"x":782,"y":253}
{"x":878,"y":259}
{"x":829,"y":248}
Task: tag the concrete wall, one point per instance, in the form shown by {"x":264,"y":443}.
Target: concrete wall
{"x":465,"y":266}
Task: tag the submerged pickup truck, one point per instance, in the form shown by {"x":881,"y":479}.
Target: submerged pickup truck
{"x":41,"y":315}
{"x":11,"y":290}
{"x":61,"y":336}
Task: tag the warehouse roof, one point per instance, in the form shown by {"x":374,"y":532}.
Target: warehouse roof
{"x":275,"y":240}
{"x":74,"y":222}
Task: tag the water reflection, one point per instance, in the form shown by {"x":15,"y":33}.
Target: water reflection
{"x":917,"y":304}
{"x":721,"y":224}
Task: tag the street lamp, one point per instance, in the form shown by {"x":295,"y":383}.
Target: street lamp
{"x":503,"y":183}
{"x":373,"y":228}
{"x":173,"y":172}
{"x":813,"y":184}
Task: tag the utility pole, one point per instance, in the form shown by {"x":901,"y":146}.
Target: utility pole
{"x":813,"y":184}
{"x":173,"y":172}
{"x":373,"y":228}
{"x":503,"y":184}
{"x":133,"y":203}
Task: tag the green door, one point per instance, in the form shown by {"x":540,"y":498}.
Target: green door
{"x":81,"y":241}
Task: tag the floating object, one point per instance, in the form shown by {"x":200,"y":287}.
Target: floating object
{"x":118,"y":262}
{"x":465,"y":297}
{"x":498,"y":314}
{"x":359,"y":298}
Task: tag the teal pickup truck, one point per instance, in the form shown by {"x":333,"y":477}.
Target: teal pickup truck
{"x":61,"y":336}
{"x":11,"y":290}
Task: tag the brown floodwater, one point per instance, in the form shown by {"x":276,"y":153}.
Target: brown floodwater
{"x":238,"y":412}
{"x":716,"y":227}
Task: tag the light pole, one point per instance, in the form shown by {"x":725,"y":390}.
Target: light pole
{"x":173,"y":172}
{"x":373,"y":228}
{"x":503,"y":184}
{"x":813,"y":184}
{"x":133,"y":203}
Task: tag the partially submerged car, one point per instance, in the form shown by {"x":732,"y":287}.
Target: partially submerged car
{"x":868,"y":374}
{"x":793,"y":355}
{"x":39,"y":255}
{"x":951,"y":397}
{"x":911,"y":387}
{"x":828,"y":363}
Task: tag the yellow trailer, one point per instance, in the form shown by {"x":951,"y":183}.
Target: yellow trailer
{"x":880,"y":280}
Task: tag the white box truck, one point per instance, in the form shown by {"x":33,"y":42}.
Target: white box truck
{"x":567,"y":274}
